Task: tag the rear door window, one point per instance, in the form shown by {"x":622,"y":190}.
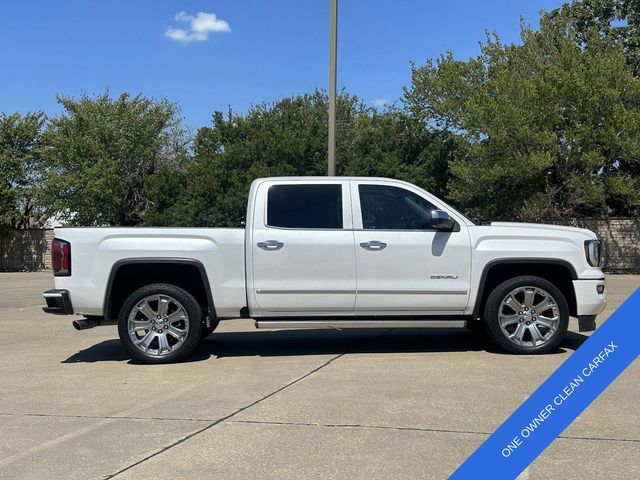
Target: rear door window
{"x":305,"y":206}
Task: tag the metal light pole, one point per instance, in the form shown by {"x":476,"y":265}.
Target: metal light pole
{"x":333,"y":53}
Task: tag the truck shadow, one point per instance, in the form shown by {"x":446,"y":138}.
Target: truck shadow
{"x":321,"y":342}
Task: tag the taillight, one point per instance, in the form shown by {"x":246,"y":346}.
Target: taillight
{"x":61,"y":257}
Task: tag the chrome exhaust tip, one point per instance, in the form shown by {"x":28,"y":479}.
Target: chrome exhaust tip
{"x":83,"y":324}
{"x":90,"y":322}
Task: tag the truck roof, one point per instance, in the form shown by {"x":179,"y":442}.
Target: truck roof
{"x":319,"y":178}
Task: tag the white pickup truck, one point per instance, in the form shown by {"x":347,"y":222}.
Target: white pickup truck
{"x":330,"y":252}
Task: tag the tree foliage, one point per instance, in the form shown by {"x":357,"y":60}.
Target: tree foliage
{"x":289,"y":138}
{"x":615,"y":21}
{"x":20,"y":165}
{"x":99,"y":154}
{"x":286,"y":138}
{"x":544,"y":129}
{"x":393,"y":144}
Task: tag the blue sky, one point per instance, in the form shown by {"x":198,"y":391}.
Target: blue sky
{"x":246,"y":52}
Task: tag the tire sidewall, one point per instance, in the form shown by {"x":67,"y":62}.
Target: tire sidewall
{"x":190,"y":305}
{"x":492,"y":309}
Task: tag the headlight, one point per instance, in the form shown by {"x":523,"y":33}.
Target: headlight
{"x":592,"y":252}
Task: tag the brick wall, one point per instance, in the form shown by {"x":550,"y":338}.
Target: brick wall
{"x":26,"y":250}
{"x":620,"y":241}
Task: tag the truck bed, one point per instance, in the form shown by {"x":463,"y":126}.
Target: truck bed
{"x":97,"y":250}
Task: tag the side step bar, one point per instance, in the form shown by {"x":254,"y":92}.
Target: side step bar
{"x":340,"y":324}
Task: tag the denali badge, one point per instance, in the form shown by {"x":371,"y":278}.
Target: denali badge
{"x":444,"y":277}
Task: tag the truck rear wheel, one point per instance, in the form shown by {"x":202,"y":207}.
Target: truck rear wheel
{"x":526,"y":314}
{"x":160,"y":323}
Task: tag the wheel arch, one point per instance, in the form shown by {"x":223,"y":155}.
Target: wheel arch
{"x":126,"y":276}
{"x":559,"y":272}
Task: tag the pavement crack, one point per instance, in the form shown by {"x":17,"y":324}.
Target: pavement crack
{"x":184,"y":438}
{"x":74,"y":433}
{"x":103,"y":417}
{"x":364,"y":426}
{"x":600,"y":439}
{"x":416,"y":429}
{"x":223,"y":419}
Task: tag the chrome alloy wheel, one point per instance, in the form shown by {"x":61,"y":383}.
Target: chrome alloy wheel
{"x":529,"y":316}
{"x":158,"y":325}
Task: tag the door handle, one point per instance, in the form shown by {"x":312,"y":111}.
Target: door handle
{"x":270,"y":245}
{"x":373,"y":245}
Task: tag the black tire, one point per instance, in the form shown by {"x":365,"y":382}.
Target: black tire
{"x":492,"y":313}
{"x":206,"y":331}
{"x":194,"y":320}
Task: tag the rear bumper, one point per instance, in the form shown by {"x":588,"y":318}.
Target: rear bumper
{"x":58,"y":302}
{"x":591,"y":297}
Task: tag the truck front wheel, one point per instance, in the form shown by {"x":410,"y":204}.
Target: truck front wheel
{"x":526,"y":314}
{"x":160,"y":323}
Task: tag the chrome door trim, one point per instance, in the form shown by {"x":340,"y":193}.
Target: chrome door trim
{"x":364,"y":292}
{"x":413,"y":292}
{"x":305,"y":292}
{"x":429,"y":310}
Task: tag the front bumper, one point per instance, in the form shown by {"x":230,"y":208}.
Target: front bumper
{"x":58,"y":302}
{"x":591,"y":297}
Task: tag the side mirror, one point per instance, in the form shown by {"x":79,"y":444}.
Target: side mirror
{"x":440,"y":220}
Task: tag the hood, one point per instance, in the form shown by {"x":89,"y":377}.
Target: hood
{"x":547,"y":227}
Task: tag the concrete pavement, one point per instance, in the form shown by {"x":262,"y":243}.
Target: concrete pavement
{"x":259,"y":404}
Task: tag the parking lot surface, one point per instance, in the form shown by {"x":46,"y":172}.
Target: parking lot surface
{"x":355,"y":404}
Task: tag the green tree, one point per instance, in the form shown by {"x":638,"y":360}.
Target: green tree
{"x":285,"y":138}
{"x":544,"y":129}
{"x":100,"y":152}
{"x":617,"y":21}
{"x":20,"y":168}
{"x":289,"y":138}
{"x":396,"y":145}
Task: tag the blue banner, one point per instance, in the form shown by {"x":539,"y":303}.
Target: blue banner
{"x":560,"y":399}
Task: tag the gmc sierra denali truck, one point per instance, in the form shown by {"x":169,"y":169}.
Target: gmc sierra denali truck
{"x":330,"y":252}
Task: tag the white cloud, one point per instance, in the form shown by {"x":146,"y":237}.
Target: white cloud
{"x":380,"y":102}
{"x":200,"y":26}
